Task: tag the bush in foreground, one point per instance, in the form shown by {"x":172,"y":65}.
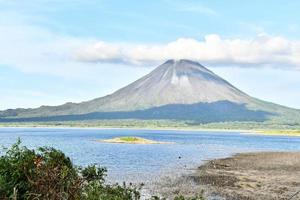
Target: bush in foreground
{"x":47,"y":174}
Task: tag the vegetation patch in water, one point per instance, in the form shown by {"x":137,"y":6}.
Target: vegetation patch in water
{"x":132,"y":140}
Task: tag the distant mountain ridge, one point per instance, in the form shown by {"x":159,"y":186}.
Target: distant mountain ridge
{"x":177,"y":89}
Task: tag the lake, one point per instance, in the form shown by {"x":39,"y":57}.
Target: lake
{"x":145,"y":162}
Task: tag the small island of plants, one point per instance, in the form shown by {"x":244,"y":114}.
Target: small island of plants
{"x":132,"y":140}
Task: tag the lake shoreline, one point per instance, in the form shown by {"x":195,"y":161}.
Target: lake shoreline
{"x":149,"y":163}
{"x":287,"y":132}
{"x":245,"y":176}
{"x":134,"y":128}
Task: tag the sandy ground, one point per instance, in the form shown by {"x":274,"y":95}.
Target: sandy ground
{"x":248,"y":176}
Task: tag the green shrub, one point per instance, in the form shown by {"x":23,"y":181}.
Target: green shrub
{"x":96,"y":191}
{"x":43,"y":174}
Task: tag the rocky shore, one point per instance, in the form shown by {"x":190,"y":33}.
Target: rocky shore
{"x":247,"y":176}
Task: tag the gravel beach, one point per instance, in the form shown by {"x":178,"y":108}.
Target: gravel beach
{"x":246,"y":176}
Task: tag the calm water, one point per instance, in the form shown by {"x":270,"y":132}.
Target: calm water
{"x":142,"y":163}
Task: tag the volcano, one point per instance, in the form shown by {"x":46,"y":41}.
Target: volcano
{"x":175,"y":90}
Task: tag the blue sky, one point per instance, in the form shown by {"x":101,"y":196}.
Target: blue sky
{"x":55,"y":51}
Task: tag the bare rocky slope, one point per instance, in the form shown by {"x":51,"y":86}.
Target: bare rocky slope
{"x":177,"y":89}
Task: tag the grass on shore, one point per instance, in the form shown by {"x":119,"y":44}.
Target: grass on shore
{"x":158,"y":124}
{"x":262,"y":128}
{"x":280,"y":132}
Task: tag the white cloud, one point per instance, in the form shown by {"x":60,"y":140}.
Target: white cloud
{"x":33,"y":49}
{"x":262,"y":50}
